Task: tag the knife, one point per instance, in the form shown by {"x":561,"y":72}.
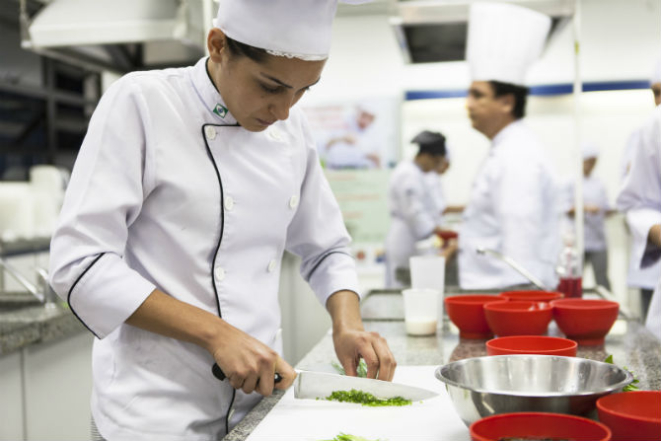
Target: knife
{"x":319,"y":385}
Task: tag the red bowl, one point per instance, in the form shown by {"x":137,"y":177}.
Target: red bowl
{"x":467,"y":313}
{"x":538,"y":425}
{"x":532,"y":344}
{"x":532,"y":296}
{"x":586,"y":321}
{"x":634,"y":415}
{"x":518,"y":317}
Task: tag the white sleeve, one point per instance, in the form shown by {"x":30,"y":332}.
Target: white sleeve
{"x":411,"y":194}
{"x":317,"y":234}
{"x":640,"y":196}
{"x":104,"y":197}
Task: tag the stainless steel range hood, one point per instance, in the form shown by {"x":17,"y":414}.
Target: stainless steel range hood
{"x":98,"y":30}
{"x":436,"y":31}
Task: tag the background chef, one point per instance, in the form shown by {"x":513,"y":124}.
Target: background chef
{"x":414,"y":215}
{"x":189,"y":186}
{"x":512,"y":207}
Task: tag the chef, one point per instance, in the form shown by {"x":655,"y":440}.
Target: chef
{"x":358,"y":145}
{"x":413,"y":211}
{"x":512,"y":207}
{"x":640,"y":198}
{"x":643,"y":278}
{"x":188,"y":188}
{"x":596,"y":207}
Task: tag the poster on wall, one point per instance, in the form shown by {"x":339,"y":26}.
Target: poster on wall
{"x":358,"y":145}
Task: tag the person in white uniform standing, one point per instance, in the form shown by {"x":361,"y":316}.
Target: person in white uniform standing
{"x":640,"y":198}
{"x":512,"y":207}
{"x":189,"y":186}
{"x":642,"y":278}
{"x":596,"y":208}
{"x":413,"y":210}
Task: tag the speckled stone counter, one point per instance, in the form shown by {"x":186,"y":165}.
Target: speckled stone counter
{"x":629,"y":342}
{"x":20,"y":327}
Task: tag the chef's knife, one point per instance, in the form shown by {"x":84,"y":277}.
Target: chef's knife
{"x":319,"y":385}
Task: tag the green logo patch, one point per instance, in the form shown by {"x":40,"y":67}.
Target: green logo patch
{"x":220,"y":110}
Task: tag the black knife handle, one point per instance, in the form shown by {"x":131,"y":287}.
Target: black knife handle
{"x":218,"y":373}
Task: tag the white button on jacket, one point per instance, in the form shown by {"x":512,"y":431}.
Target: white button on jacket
{"x":170,"y":160}
{"x":513,"y":209}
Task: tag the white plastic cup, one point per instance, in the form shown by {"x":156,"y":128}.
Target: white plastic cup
{"x":428,"y":272}
{"x":420,"y":311}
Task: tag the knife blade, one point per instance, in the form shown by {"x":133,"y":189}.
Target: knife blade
{"x":319,"y":385}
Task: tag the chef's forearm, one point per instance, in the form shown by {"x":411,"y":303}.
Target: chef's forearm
{"x":165,"y":315}
{"x":344,"y":309}
{"x":655,"y":235}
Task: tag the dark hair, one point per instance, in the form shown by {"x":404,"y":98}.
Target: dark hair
{"x":520,"y":94}
{"x":432,"y":143}
{"x":245,"y":50}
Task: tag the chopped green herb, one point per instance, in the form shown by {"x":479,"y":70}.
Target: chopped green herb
{"x":361,"y":369}
{"x":345,"y":437}
{"x":629,"y":387}
{"x":365,"y":398}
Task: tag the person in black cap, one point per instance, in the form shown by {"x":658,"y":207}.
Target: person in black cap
{"x":412,"y":206}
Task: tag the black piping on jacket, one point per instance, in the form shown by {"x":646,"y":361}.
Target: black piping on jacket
{"x":71,"y":292}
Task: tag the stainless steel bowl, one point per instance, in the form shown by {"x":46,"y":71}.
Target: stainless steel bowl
{"x":484,"y":386}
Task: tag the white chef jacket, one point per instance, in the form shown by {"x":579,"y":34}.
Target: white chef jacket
{"x":640,"y":198}
{"x":513,"y":209}
{"x":594,"y":193}
{"x":435,"y":184}
{"x":169,"y":192}
{"x":411,"y":216}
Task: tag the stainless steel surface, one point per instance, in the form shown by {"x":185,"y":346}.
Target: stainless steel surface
{"x":320,"y":385}
{"x":25,"y":283}
{"x":511,"y":262}
{"x":484,"y":386}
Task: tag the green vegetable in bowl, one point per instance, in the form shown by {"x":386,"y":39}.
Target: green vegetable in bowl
{"x":365,"y":398}
{"x":628,"y":387}
{"x":345,"y":437}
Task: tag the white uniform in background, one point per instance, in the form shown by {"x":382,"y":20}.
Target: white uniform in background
{"x":512,"y":210}
{"x":169,"y":192}
{"x":640,"y":198}
{"x":434,"y":182}
{"x":412,"y":216}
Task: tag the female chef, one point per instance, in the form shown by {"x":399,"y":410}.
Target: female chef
{"x":188,"y":188}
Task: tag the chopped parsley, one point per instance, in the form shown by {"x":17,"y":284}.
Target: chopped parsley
{"x":365,"y":399}
{"x":361,"y":370}
{"x":629,"y":387}
{"x":345,"y":437}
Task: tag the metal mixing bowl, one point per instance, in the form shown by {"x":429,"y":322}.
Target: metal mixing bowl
{"x":484,"y":386}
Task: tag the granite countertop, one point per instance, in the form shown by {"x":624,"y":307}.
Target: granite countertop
{"x":630,"y":343}
{"x":27,"y":325}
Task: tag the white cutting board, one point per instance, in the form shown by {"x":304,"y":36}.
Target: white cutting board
{"x":313,"y":420}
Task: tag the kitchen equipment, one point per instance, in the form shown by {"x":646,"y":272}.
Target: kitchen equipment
{"x":532,"y":344}
{"x":634,"y":415}
{"x":307,"y":420}
{"x":518,"y":317}
{"x":584,"y":320}
{"x":538,"y":425}
{"x":533,"y":296}
{"x":511,"y":262}
{"x":421,"y":311}
{"x":467,"y":313}
{"x":485,"y":386}
{"x":319,"y":385}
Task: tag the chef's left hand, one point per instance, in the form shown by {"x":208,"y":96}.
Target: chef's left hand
{"x":352,"y":342}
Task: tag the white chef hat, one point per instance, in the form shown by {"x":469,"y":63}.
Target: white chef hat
{"x":504,"y":40}
{"x":656,"y":74}
{"x":590,"y":150}
{"x":291,"y":28}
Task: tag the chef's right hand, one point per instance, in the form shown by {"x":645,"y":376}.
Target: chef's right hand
{"x":249,"y":364}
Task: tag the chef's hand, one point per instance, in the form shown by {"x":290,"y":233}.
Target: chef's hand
{"x":249,"y":364}
{"x":352,"y":342}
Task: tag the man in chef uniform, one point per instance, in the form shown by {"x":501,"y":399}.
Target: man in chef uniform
{"x":642,"y":278}
{"x":640,"y":199}
{"x":358,"y":145}
{"x":596,"y":208}
{"x":188,"y":188}
{"x":512,"y":207}
{"x":413,"y":210}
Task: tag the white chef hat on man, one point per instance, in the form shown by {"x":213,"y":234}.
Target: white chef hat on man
{"x":504,"y":40}
{"x":290,"y":28}
{"x":589,"y":150}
